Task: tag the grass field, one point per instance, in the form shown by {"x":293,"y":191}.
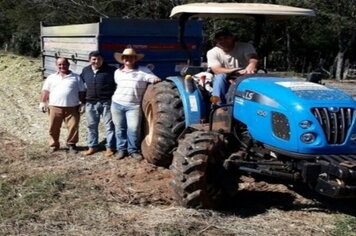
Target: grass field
{"x":66,"y":194}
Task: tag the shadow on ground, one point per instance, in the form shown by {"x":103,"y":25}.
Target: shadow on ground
{"x":248,"y":203}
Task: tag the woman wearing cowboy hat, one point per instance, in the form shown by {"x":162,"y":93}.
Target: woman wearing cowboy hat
{"x":126,"y":110}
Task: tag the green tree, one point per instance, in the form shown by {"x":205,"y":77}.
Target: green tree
{"x":298,"y":42}
{"x":332,"y":33}
{"x":21,"y":18}
{"x":342,"y":17}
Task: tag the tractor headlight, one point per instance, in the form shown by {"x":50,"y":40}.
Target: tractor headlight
{"x":308,"y":138}
{"x":305,"y":124}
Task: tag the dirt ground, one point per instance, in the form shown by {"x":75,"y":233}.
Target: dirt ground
{"x":97,"y":195}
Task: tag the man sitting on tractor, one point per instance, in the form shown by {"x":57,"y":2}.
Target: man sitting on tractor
{"x":229,"y":57}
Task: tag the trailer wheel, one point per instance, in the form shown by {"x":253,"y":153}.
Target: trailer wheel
{"x":163,"y":122}
{"x":200,"y":180}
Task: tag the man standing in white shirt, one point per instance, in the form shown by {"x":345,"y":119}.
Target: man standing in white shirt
{"x":62,"y":94}
{"x":229,"y":57}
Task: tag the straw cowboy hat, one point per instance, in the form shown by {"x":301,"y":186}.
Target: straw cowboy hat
{"x":127,"y":52}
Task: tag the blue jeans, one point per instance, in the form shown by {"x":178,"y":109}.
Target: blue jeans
{"x":127,"y":121}
{"x":220,"y":87}
{"x":93,"y":111}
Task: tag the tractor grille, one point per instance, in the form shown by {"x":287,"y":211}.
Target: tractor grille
{"x":335,"y":122}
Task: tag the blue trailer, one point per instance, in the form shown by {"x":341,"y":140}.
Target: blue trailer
{"x":157,"y":39}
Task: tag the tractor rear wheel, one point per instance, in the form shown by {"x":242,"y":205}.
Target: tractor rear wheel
{"x":163,"y":122}
{"x":200,"y":180}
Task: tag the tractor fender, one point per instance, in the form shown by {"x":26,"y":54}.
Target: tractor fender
{"x":193,"y":101}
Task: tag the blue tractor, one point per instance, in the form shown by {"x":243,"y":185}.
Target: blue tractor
{"x":273,"y":127}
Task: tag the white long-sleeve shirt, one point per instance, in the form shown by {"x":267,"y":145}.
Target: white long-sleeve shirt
{"x":131,"y":85}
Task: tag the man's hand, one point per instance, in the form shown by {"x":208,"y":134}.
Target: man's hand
{"x":250,"y":70}
{"x":156,"y":80}
{"x":247,"y":71}
{"x":251,"y":67}
{"x":82,"y":108}
{"x":43,"y":107}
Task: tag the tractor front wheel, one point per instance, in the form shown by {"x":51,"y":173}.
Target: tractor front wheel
{"x":200,"y":180}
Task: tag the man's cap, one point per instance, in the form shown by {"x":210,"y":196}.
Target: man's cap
{"x":222,"y":32}
{"x":95,"y":53}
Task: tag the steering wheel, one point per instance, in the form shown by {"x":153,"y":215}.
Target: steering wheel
{"x":235,"y":72}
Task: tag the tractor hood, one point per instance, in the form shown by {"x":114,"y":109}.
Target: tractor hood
{"x":289,"y":92}
{"x":280,"y":111}
{"x":226,"y":10}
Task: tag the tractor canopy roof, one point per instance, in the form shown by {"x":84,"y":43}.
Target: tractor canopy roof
{"x":227,"y":10}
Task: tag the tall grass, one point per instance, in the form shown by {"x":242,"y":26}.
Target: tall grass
{"x":345,"y":226}
{"x":23,"y":200}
